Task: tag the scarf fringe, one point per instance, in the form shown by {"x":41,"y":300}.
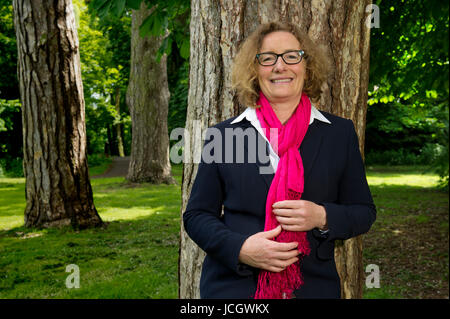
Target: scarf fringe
{"x":281,"y":285}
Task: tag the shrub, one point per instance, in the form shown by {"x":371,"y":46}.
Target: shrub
{"x":11,"y":167}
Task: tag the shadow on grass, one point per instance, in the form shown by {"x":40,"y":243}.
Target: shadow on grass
{"x":135,"y":256}
{"x":114,"y":198}
{"x":407,"y":200}
{"x":128,"y":259}
{"x":409,"y":242}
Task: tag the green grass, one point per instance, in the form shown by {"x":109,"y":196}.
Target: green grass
{"x":101,"y":168}
{"x":136,"y":255}
{"x":409,"y":240}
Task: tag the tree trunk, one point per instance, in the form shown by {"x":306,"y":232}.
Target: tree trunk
{"x":58,"y":190}
{"x":148,"y":100}
{"x":118,"y":126}
{"x":217,"y":28}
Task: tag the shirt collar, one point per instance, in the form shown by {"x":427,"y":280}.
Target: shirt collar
{"x":250,"y":115}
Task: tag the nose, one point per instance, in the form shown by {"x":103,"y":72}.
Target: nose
{"x":279,"y":66}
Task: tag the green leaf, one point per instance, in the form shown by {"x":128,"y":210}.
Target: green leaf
{"x":155,"y":24}
{"x":102,"y":7}
{"x":98,"y":4}
{"x":185,"y":48}
{"x":118,"y":7}
{"x":165,"y":48}
{"x":146,"y":27}
{"x":134,"y":4}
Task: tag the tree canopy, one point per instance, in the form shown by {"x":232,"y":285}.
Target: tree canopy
{"x":408,"y":88}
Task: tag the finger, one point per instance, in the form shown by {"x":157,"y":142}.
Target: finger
{"x":291,"y":261}
{"x":285,"y":212}
{"x":272,"y":233}
{"x":288,"y":220}
{"x":284,"y":246}
{"x":295,"y":227}
{"x":274,"y":269}
{"x":284,"y":263}
{"x":286,"y":255}
{"x":287,"y":204}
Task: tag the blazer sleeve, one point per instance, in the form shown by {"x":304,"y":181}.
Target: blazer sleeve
{"x":355,"y":212}
{"x":203,"y":223}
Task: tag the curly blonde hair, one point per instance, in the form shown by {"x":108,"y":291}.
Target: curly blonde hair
{"x":244,"y":74}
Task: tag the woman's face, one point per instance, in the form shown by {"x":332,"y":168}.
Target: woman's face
{"x":281,"y":82}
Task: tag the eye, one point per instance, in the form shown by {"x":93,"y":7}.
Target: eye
{"x":292,"y":56}
{"x":267,"y":57}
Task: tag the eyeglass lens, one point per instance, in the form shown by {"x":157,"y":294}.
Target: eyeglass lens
{"x":291,"y":57}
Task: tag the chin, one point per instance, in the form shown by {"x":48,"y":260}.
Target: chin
{"x":283,"y":95}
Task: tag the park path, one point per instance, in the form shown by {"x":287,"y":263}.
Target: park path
{"x":118,"y":168}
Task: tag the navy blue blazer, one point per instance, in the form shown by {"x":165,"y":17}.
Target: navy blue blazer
{"x":334,"y":177}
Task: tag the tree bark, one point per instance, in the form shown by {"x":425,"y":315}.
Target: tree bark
{"x":58,"y":190}
{"x":217,"y":28}
{"x":118,"y":126}
{"x":148,"y":101}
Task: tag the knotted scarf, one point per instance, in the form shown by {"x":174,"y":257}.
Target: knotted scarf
{"x":287,"y":184}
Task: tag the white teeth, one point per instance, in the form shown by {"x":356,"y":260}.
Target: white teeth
{"x":281,"y":80}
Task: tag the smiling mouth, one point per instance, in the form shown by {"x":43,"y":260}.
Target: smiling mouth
{"x":281,"y":80}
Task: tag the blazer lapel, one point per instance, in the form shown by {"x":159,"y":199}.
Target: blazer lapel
{"x":309,"y":150}
{"x":262,"y":167}
{"x":310,"y":146}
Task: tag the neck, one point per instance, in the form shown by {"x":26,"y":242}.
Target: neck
{"x":284,"y":109}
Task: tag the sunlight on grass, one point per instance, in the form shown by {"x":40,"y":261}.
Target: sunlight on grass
{"x":117,"y":199}
{"x":124,"y":214}
{"x":5,"y":180}
{"x":136,"y":255}
{"x":12,"y":202}
{"x":421,"y":180}
{"x":114,"y":198}
{"x":8,"y":222}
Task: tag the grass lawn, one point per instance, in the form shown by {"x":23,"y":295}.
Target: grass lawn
{"x":136,"y":255}
{"x":410,"y":239}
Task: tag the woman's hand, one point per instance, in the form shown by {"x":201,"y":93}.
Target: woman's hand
{"x":300,"y":215}
{"x":260,"y":251}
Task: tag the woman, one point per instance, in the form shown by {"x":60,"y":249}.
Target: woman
{"x":275,"y":236}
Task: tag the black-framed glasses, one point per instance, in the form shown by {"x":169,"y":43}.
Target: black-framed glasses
{"x":289,"y":57}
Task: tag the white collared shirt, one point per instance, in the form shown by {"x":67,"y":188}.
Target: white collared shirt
{"x":250,"y":115}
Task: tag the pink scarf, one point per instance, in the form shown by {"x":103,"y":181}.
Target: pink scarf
{"x":287,"y":184}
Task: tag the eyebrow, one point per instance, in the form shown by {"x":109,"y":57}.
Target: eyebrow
{"x":293,"y":50}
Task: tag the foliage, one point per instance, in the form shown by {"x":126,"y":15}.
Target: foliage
{"x":7,"y":109}
{"x":169,"y":18}
{"x":105,"y":56}
{"x":10,"y":138}
{"x":98,"y":164}
{"x":441,"y":159}
{"x":409,"y":52}
{"x":98,"y":159}
{"x":178,"y":82}
{"x":400,"y":156}
{"x":10,"y":115}
{"x":11,"y":167}
{"x":393,"y":126}
{"x":9,"y":86}
{"x":409,"y":80}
